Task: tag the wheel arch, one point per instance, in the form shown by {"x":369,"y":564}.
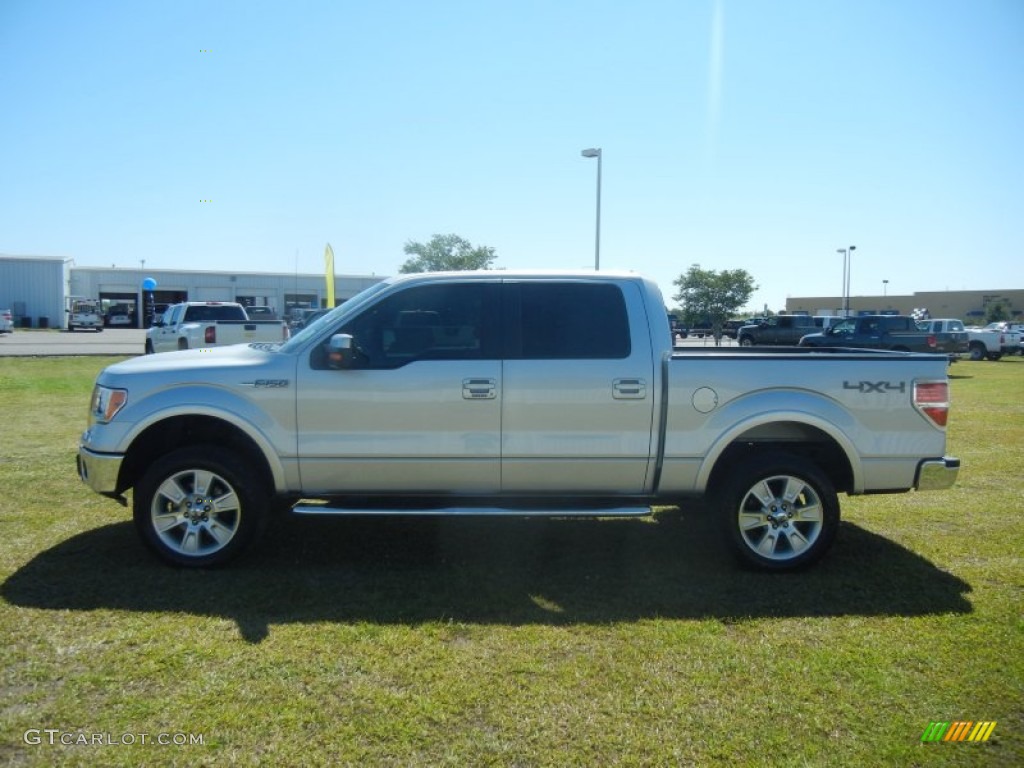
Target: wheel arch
{"x":798,"y":434}
{"x":183,"y":430}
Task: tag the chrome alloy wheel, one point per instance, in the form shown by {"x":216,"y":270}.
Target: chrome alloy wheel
{"x":780,"y":517}
{"x":195,"y":512}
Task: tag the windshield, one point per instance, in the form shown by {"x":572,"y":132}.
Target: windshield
{"x":314,"y":329}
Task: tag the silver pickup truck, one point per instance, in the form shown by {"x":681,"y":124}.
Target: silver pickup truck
{"x":499,"y":393}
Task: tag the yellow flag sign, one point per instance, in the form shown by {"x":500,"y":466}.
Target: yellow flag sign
{"x":329,"y":274}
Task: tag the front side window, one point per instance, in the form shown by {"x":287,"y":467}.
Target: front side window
{"x":441,"y":321}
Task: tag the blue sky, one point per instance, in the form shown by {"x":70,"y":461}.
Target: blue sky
{"x":756,"y":135}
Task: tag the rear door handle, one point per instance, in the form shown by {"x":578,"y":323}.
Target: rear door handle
{"x":479,"y":389}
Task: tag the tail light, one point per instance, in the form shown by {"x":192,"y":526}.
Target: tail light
{"x":931,"y":398}
{"x":285,"y":332}
{"x":933,"y":343}
{"x":210,"y":337}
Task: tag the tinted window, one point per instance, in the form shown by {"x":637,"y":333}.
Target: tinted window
{"x":570,"y":321}
{"x":210,"y":313}
{"x":444,"y":321}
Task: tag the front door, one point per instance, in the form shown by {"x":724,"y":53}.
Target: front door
{"x":420,"y":410}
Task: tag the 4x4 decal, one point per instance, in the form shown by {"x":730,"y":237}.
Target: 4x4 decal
{"x":866,"y":387}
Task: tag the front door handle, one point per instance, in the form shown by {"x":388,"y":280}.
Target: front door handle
{"x":479,"y":389}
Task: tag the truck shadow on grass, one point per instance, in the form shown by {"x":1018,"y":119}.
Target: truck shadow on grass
{"x":490,"y":571}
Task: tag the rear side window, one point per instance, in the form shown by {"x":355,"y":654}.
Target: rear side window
{"x":568,"y":321}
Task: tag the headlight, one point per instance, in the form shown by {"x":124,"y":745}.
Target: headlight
{"x":106,"y":403}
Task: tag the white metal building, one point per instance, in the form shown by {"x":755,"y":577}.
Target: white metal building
{"x":33,"y":288}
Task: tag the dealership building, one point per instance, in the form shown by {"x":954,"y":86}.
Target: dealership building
{"x":37,"y":288}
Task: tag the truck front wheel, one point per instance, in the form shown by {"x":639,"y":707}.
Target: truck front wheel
{"x":199,"y":506}
{"x":780,"y":512}
{"x":977,"y":351}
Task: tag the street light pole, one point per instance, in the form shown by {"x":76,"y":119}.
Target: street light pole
{"x":849,"y":268}
{"x":842,"y":293}
{"x":885,"y":288}
{"x":596,"y":152}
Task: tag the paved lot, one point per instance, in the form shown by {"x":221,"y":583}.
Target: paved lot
{"x":112,"y":341}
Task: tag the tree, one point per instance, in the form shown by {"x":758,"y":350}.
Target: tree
{"x":707,"y":296}
{"x":996,"y":311}
{"x":446,"y":253}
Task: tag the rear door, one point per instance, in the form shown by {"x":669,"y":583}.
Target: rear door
{"x":578,"y":394}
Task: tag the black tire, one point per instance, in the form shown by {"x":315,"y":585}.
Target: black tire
{"x":221,"y":508}
{"x":780,"y":512}
{"x":995,"y":356}
{"x":746,"y":341}
{"x":149,"y":347}
{"x":977,"y":352}
{"x":182,"y":344}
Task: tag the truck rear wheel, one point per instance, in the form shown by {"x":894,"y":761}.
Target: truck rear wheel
{"x":746,"y":341}
{"x":199,"y":506}
{"x":780,"y":512}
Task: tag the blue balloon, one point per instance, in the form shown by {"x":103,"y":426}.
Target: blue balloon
{"x":149,"y":284}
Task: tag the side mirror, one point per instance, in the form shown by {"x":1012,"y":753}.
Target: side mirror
{"x":340,"y":351}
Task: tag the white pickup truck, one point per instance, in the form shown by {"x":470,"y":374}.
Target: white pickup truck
{"x":501,"y":393}
{"x":993,"y":341}
{"x":201,"y":324}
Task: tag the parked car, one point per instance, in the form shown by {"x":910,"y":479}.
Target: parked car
{"x":85,"y":313}
{"x":6,"y":321}
{"x":200,"y":324}
{"x":991,"y":343}
{"x":119,"y":315}
{"x":1011,"y":339}
{"x":785,"y":330}
{"x":897,"y":333}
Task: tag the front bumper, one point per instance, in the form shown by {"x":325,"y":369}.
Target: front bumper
{"x":937,"y":474}
{"x":99,"y":470}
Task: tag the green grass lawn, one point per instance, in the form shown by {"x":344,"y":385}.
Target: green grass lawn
{"x":510,"y":642}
